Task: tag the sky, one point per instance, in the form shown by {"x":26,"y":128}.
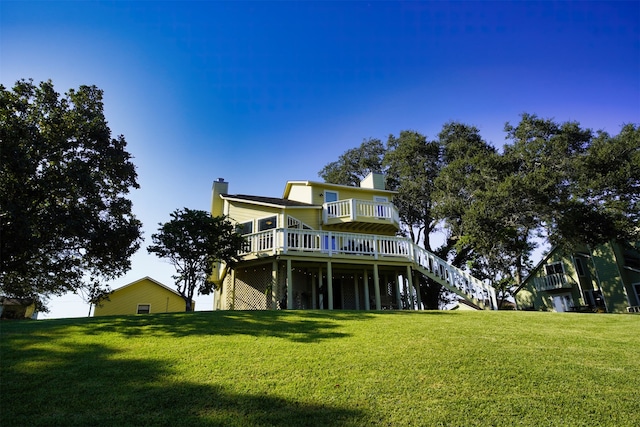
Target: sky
{"x":259,"y":93}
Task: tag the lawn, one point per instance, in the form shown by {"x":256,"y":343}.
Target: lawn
{"x":320,"y":368}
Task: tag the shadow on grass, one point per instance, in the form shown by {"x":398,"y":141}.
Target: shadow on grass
{"x":297,"y":326}
{"x":94,"y":385}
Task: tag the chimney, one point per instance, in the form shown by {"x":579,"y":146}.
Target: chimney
{"x":374,"y":181}
{"x":217,"y":204}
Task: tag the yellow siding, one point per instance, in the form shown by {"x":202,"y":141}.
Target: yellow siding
{"x":301,"y":193}
{"x":125,"y":300}
{"x":314,"y":192}
{"x":243,"y":212}
{"x":310,"y":217}
{"x":348,"y":193}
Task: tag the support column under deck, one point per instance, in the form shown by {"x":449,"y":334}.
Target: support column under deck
{"x":376,"y":286}
{"x":330,"y":285}
{"x":410,"y":284}
{"x":367,"y":301}
{"x":416,"y":280}
{"x":274,"y":285}
{"x":289,"y":286}
{"x":355,"y":286}
{"x":314,"y":293}
{"x":396,"y":278}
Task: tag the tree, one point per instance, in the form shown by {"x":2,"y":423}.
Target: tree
{"x":193,"y":241}
{"x":606,"y":200}
{"x":65,"y":221}
{"x":355,"y":164}
{"x":412,"y":164}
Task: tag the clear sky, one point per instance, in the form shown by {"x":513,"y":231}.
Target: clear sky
{"x":264,"y":92}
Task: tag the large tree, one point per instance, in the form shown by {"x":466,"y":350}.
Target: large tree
{"x":355,"y":164}
{"x":193,"y":241}
{"x":65,"y":219}
{"x":412,"y":163}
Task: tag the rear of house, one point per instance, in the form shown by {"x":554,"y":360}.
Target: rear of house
{"x":328,"y":246}
{"x":604,"y":279}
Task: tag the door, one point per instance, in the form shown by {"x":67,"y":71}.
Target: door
{"x":382,"y":209}
{"x":562,"y":303}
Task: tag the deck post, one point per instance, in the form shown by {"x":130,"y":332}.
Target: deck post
{"x":398,"y":287}
{"x":274,"y":285}
{"x":410,"y":284}
{"x":367,"y":303}
{"x":320,"y":294}
{"x":289,"y":286}
{"x":376,"y":286}
{"x":355,"y":288}
{"x":314,"y":293}
{"x":330,"y":285}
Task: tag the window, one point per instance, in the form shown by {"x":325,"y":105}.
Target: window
{"x":555,"y":268}
{"x":246,"y":228}
{"x":144,"y":308}
{"x":580,"y":266}
{"x":267,"y":223}
{"x":330,"y":196}
{"x":636,"y":287}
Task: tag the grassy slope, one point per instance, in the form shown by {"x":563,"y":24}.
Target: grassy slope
{"x":323,"y":368}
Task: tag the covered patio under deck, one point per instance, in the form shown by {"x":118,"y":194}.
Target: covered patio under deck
{"x":281,"y":282}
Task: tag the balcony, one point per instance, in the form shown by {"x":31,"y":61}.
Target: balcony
{"x":365,"y":248}
{"x":361,"y":215}
{"x":551,"y":282}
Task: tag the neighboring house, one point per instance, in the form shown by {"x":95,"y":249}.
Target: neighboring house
{"x":328,"y":246}
{"x":605,"y":278}
{"x":18,"y":308}
{"x":143,"y":296}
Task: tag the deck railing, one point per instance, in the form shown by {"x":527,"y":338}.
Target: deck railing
{"x":552,"y":281}
{"x":359,"y":210}
{"x":284,"y":241}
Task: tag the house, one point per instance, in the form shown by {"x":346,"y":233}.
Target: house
{"x":605,"y":279}
{"x":328,"y":246}
{"x":18,"y":308}
{"x":143,"y":296}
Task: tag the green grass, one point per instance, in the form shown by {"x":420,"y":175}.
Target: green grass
{"x":292,"y":368}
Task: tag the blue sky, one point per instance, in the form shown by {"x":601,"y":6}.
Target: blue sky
{"x":264,"y":92}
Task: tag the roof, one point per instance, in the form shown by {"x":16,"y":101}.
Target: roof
{"x":151,"y":280}
{"x":287,"y":188}
{"x":268,"y":201}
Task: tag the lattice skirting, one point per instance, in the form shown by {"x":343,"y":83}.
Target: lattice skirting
{"x":251,"y":291}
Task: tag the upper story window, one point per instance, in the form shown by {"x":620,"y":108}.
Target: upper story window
{"x":330,"y":196}
{"x":555,"y":268}
{"x":245,"y":228}
{"x":580,"y":267}
{"x":267,"y":223}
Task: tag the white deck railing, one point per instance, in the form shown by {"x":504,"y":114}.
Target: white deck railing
{"x":552,"y":281}
{"x":283,"y":241}
{"x":355,"y":209}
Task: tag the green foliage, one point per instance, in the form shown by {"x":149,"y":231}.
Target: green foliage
{"x":355,"y":164}
{"x":553,"y":181}
{"x":192,"y":242}
{"x":313,"y":368}
{"x":412,"y":163}
{"x":64,"y":215}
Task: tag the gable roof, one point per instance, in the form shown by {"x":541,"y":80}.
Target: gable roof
{"x":287,"y":188}
{"x":268,"y":201}
{"x":152,"y":281}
